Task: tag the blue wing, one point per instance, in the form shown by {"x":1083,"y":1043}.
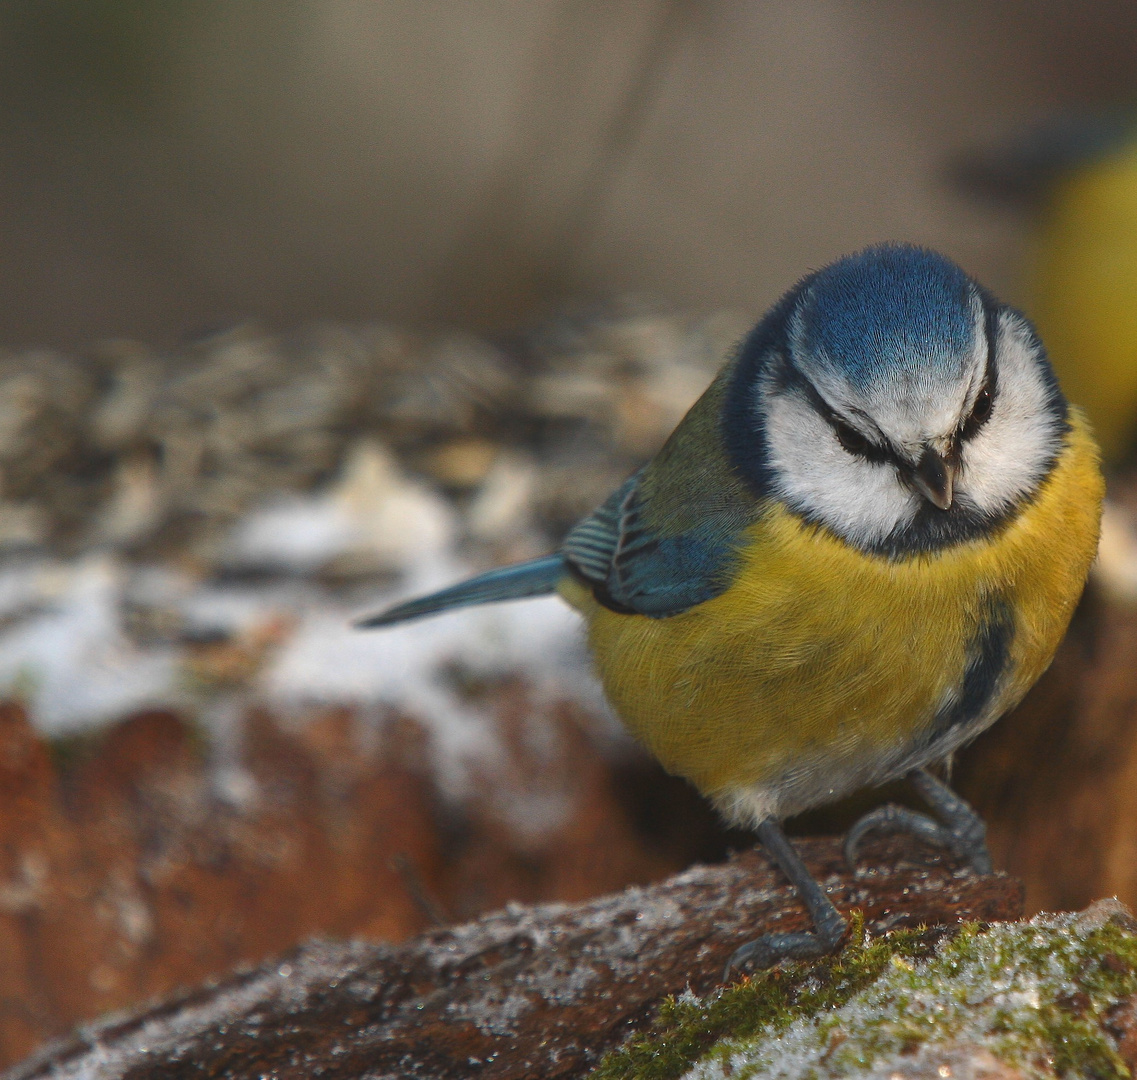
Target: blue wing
{"x":630,"y":567}
{"x":634,"y":566}
{"x":666,"y":540}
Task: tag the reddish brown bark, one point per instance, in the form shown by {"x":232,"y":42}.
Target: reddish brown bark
{"x":527,"y":992}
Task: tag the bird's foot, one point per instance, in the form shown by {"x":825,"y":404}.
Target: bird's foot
{"x":891,"y":819}
{"x":960,"y":829}
{"x":769,"y":949}
{"x":829,"y":924}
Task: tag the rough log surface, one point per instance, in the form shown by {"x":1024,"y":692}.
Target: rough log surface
{"x":536,"y":991}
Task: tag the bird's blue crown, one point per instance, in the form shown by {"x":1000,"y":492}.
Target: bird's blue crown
{"x":885,"y":308}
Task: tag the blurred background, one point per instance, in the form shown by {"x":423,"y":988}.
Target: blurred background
{"x":311,"y":303}
{"x":169,"y":168}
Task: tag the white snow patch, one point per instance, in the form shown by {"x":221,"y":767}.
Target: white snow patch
{"x":66,"y":650}
{"x":373,"y":513}
{"x":66,"y":653}
{"x":70,"y":659}
{"x":405,"y":668}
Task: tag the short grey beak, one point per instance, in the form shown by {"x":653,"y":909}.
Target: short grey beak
{"x":934,"y":478}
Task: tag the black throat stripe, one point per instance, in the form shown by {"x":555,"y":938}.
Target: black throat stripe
{"x":987,"y":656}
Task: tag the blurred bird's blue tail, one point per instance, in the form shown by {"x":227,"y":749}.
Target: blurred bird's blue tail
{"x":535,"y":578}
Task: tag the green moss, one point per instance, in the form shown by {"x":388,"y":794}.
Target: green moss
{"x":686,"y":1027}
{"x":1033,"y":994}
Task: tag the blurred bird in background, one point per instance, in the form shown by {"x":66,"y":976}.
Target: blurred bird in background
{"x":1079,"y":173}
{"x":860,"y":547}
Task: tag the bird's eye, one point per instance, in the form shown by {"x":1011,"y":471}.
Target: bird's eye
{"x":853,"y":441}
{"x":979,"y":413}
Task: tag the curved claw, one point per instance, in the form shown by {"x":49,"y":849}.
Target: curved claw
{"x":963,"y":823}
{"x":767,"y":950}
{"x":891,"y":818}
{"x":968,"y":842}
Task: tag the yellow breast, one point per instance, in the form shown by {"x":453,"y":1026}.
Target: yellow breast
{"x":820,"y":657}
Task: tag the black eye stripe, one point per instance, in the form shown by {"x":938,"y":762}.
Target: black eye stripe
{"x":985,"y":399}
{"x":853,"y":442}
{"x":991,"y":327}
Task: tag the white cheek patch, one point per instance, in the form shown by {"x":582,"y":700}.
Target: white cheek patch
{"x":1009,"y":455}
{"x":861,"y":501}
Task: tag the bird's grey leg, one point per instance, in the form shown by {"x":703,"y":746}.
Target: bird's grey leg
{"x":967,"y":828}
{"x":960,"y":829}
{"x":828,"y":923}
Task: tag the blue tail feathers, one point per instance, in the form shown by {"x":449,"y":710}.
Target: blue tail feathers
{"x":536,"y":578}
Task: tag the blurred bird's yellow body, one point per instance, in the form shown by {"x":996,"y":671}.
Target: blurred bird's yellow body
{"x":819,"y":662}
{"x":1085,"y":286}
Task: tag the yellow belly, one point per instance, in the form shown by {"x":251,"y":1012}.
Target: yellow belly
{"x":822,"y":658}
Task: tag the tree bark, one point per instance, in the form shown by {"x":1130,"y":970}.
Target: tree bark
{"x":539,"y":991}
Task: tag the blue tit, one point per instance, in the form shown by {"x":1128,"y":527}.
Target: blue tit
{"x":858,"y":549}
